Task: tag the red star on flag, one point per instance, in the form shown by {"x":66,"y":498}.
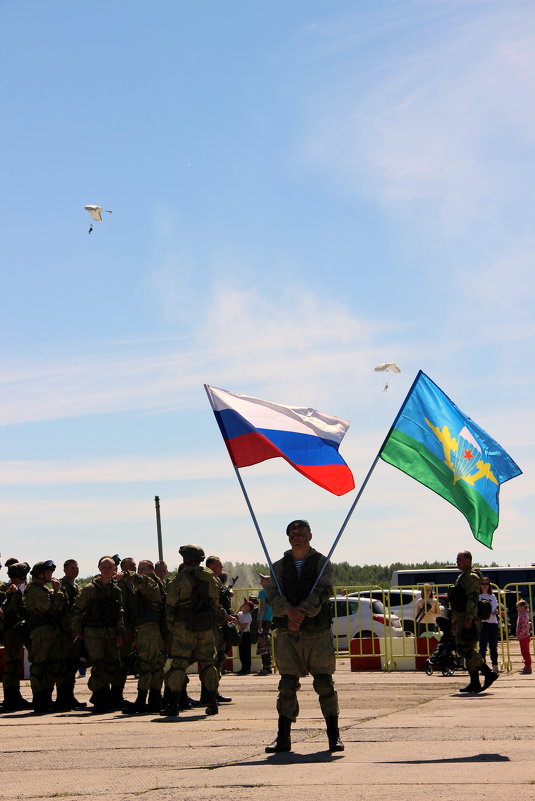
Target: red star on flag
{"x":468,"y":455}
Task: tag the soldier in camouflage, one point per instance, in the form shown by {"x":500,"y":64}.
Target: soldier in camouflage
{"x":65,"y":698}
{"x":45,"y":605}
{"x":303,"y":640}
{"x":11,"y":602}
{"x":148,"y":618}
{"x":192,"y":611}
{"x":97,"y":618}
{"x":466,"y":624}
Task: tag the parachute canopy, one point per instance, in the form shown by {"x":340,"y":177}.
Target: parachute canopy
{"x":388,"y":366}
{"x":95,"y":212}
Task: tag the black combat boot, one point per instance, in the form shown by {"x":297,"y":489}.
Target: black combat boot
{"x":212,"y":708}
{"x":154,"y":703}
{"x":101,"y":702}
{"x":333,"y":734}
{"x":184,"y":701}
{"x":171,"y":708}
{"x":115,"y":698}
{"x":473,"y":686}
{"x":13,"y":701}
{"x":63,"y":699}
{"x":42,"y":702}
{"x":283,"y":741}
{"x":137,"y":707}
{"x":490,"y":676}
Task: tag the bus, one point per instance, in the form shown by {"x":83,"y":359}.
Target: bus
{"x":500,"y":576}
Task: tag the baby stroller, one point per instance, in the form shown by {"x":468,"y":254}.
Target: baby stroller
{"x":444,"y":657}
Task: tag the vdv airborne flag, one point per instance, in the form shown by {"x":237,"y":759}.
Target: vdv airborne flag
{"x":255,"y":430}
{"x":438,"y":445}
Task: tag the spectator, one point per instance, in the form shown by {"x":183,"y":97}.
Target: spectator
{"x":523,"y":635}
{"x":489,"y":628}
{"x":427,"y":611}
{"x":244,"y":624}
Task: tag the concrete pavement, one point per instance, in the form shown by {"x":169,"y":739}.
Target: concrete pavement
{"x":407,"y":736}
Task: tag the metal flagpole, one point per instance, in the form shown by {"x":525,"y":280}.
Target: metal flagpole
{"x":253,"y":516}
{"x":361,"y":490}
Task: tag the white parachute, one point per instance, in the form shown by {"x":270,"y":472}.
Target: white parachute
{"x":95,"y":212}
{"x":388,"y":367}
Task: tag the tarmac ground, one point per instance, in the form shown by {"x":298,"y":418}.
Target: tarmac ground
{"x":407,"y":736}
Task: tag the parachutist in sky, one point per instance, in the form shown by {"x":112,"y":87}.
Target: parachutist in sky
{"x":90,"y":229}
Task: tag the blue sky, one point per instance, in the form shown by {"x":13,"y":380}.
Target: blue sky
{"x":299,"y":191}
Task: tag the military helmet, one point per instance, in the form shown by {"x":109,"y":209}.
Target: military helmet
{"x":18,"y":570}
{"x":191,"y":553}
{"x":40,"y":567}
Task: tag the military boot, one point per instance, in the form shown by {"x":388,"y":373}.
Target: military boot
{"x":137,"y":707}
{"x":101,"y":702}
{"x":473,"y":686}
{"x":212,"y":708}
{"x":333,"y":734}
{"x":171,"y":708}
{"x":490,"y":676}
{"x":283,"y":741}
{"x":154,"y":703}
{"x":116,"y":700}
{"x":63,"y":699}
{"x":13,"y":700}
{"x":42,"y":702}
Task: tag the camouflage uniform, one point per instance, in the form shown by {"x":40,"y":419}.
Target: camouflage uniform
{"x":97,"y":615}
{"x":467,"y":640}
{"x":44,"y":611}
{"x":148,"y":614}
{"x":13,"y":617}
{"x":310,"y":649}
{"x":71,"y":659}
{"x":128,"y":601}
{"x":192,"y":636}
{"x":464,"y":597}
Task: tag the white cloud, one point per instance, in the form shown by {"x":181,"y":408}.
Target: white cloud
{"x":445,"y":118}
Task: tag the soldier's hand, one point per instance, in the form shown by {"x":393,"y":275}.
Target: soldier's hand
{"x":11,"y":588}
{"x":295,"y":615}
{"x":468,"y":623}
{"x":293,"y":626}
{"x":55,"y":583}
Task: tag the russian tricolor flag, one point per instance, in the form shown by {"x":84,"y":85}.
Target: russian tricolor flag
{"x":255,"y":430}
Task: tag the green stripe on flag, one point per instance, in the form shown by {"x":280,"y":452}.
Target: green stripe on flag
{"x":413,"y":458}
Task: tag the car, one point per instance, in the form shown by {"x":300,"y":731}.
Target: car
{"x":361,"y":617}
{"x":398,"y":601}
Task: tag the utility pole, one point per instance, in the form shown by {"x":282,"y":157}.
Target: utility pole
{"x":159,"y":527}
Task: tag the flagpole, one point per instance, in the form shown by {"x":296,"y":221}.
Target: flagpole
{"x":249,"y":506}
{"x":363,"y":487}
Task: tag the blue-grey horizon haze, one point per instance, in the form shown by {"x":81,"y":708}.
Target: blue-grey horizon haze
{"x":299,"y":191}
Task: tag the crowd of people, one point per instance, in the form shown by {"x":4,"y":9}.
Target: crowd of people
{"x":134,"y":618}
{"x":129,"y":619}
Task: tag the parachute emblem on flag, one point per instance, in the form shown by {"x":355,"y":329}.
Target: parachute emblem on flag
{"x":463,"y":455}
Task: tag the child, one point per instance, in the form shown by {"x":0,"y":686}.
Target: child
{"x":244,"y":625}
{"x":523,"y":635}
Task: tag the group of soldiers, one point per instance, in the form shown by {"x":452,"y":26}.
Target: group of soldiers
{"x":128,"y":619}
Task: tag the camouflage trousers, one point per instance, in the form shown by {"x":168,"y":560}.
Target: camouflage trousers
{"x":188,"y":647}
{"x":103,"y":656}
{"x":467,"y":643}
{"x":12,"y":660}
{"x":47,"y":666}
{"x":70,"y":659}
{"x":151,"y":656}
{"x":298,"y":654}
